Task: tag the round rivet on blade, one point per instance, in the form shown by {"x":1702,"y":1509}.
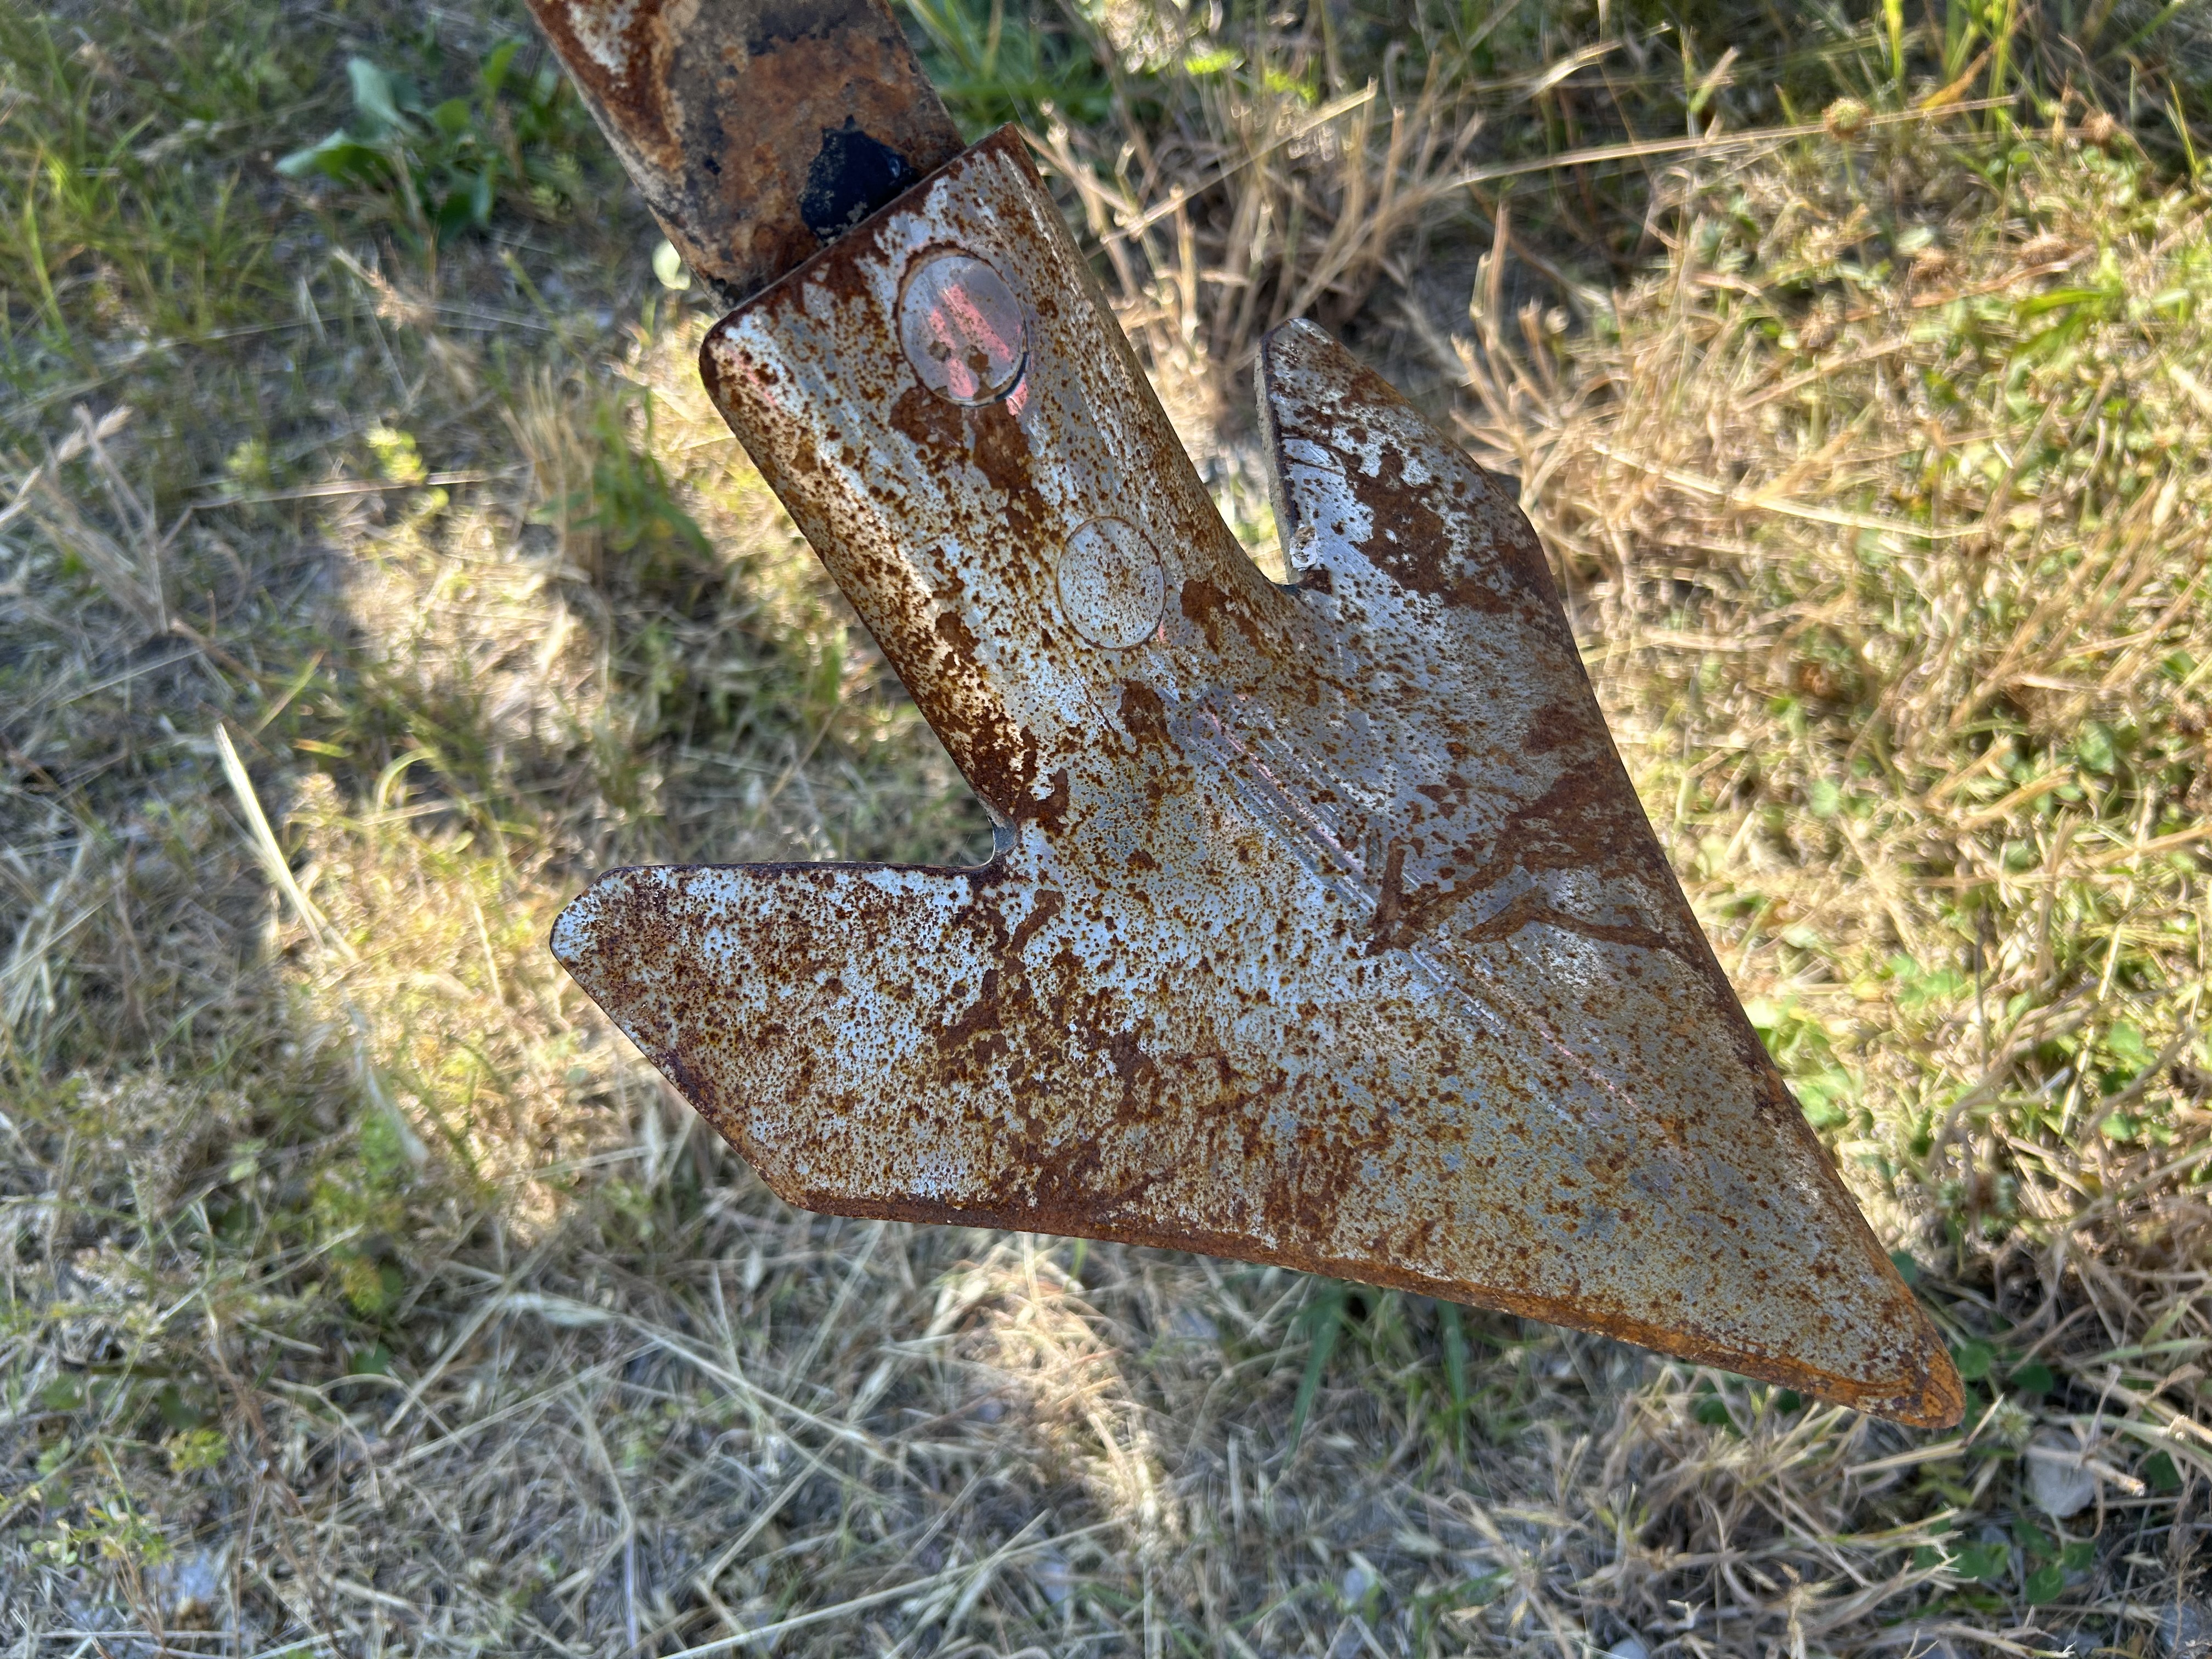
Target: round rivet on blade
{"x":962,"y":328}
{"x":1111,"y":586}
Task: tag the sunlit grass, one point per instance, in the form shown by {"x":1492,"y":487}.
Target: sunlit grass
{"x":365,"y":1290}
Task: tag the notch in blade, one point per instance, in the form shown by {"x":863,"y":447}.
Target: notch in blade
{"x":759,"y":130}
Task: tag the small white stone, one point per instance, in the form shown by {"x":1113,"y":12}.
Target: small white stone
{"x":2184,"y":1631}
{"x":2057,"y":1479}
{"x":190,"y":1587}
{"x":1053,"y":1576}
{"x":1194,"y":1325}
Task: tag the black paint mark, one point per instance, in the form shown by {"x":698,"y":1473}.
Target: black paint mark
{"x":851,"y":177}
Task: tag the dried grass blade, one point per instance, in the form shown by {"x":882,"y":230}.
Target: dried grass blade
{"x":270,"y":855}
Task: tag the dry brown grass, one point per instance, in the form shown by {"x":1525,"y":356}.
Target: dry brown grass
{"x":366,"y":1294}
{"x":1917,"y":678}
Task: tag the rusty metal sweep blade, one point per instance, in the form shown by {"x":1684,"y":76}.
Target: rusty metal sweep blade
{"x":1325,"y":928}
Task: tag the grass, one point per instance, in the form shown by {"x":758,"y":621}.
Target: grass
{"x":371,"y":571}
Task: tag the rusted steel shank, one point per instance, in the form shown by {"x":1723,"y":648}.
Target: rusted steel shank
{"x":757,"y":130}
{"x":1324,"y":929}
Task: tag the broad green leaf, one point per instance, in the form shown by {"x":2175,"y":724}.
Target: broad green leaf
{"x":1973,"y":1359}
{"x":340,"y":157}
{"x":373,"y":92}
{"x":1322,"y":1322}
{"x":493,"y":75}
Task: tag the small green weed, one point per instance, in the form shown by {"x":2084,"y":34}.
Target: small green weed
{"x":1800,"y":1045}
{"x":196,"y":1451}
{"x":111,"y":1532}
{"x":990,"y":73}
{"x":626,"y":508}
{"x":443,"y":167}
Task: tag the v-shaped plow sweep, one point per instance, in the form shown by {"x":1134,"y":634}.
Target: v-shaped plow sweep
{"x":1324,"y":928}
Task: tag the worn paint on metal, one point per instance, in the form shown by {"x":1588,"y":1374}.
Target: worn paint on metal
{"x":757,"y":130}
{"x":1325,"y":928}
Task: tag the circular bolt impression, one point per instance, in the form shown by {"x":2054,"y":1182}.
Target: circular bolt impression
{"x":962,"y":328}
{"x":1111,"y":586}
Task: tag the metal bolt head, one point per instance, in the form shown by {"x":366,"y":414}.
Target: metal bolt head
{"x":962,"y":328}
{"x":1111,"y":587}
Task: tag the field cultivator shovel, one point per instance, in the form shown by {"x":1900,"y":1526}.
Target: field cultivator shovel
{"x":1324,"y":928}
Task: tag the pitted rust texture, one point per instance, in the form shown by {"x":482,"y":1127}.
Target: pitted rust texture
{"x":744,"y":121}
{"x":1326,"y":929}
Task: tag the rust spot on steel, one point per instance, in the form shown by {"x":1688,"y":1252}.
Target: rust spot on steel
{"x":757,"y":130}
{"x":1325,"y":928}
